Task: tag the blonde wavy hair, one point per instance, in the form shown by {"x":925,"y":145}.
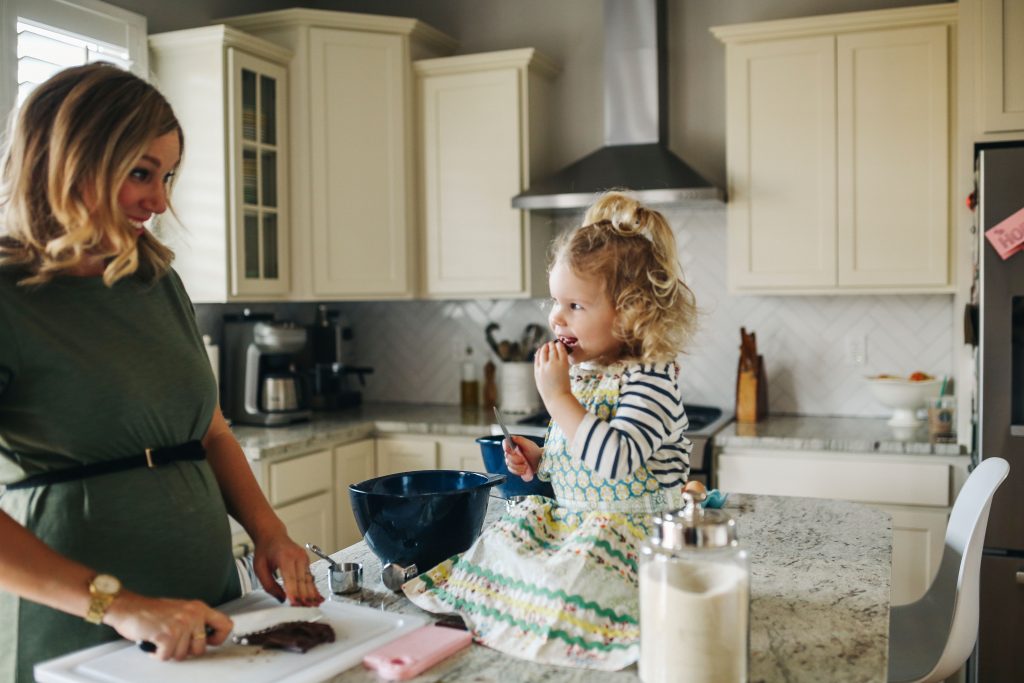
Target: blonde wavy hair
{"x":632,"y":250}
{"x":74,"y":142}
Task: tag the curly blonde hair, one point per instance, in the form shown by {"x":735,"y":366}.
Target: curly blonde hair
{"x":75,"y":140}
{"x":631,"y":248}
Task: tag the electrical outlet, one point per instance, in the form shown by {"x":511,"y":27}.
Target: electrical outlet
{"x":856,"y":348}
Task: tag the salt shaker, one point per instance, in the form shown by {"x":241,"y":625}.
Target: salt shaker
{"x":694,"y":598}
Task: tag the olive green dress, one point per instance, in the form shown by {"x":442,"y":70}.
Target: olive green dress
{"x":102,"y":373}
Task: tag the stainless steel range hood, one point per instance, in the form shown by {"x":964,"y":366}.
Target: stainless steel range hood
{"x":635,"y":155}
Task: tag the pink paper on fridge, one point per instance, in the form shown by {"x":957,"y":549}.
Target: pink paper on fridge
{"x":1007,"y":238}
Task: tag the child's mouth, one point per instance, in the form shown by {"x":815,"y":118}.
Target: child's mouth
{"x":569,"y":343}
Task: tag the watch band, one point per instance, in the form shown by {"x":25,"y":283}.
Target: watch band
{"x":102,"y":591}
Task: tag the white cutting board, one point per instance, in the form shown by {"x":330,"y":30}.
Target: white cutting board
{"x":357,"y":629}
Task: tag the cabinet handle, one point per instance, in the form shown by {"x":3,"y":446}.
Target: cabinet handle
{"x":1020,"y":576}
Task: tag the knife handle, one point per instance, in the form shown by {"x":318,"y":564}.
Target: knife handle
{"x":147,"y":646}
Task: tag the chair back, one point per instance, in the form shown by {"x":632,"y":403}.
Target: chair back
{"x":965,"y":534}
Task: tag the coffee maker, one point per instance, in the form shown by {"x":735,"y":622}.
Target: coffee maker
{"x":332,"y":369}
{"x":261,"y":385}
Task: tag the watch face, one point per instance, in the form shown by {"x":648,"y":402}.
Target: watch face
{"x":105,"y":583}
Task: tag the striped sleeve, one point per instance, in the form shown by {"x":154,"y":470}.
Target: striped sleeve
{"x":649,"y":415}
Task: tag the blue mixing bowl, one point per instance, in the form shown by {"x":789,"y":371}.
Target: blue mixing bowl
{"x":494,"y":462}
{"x":421,"y":518}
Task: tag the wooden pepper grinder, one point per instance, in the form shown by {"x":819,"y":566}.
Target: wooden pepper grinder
{"x":490,"y":398}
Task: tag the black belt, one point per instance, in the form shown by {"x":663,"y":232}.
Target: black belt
{"x":151,"y":458}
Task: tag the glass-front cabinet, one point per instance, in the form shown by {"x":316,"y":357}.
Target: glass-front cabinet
{"x":259,"y":262}
{"x":229,"y":91}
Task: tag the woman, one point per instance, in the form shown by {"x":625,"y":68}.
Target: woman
{"x":106,"y":374}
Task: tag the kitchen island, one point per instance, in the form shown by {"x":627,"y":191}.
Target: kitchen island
{"x":820,"y":582}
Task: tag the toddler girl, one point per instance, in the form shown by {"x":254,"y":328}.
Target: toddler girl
{"x":556,"y":581}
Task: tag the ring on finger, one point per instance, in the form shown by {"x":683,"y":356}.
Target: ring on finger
{"x":199,"y":635}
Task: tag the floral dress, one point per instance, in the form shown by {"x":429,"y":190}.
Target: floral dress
{"x":555,"y":581}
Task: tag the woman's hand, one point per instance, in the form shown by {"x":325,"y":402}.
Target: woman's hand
{"x":282,"y":553}
{"x":523,"y":457}
{"x":551,"y":372}
{"x":178,"y":628}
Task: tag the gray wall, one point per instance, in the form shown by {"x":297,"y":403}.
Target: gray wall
{"x":569,"y":31}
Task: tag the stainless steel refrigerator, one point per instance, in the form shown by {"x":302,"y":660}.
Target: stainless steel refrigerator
{"x":1000,"y":430}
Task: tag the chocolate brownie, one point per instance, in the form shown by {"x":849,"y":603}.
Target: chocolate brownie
{"x":294,"y":636}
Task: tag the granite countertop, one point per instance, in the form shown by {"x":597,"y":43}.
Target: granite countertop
{"x":820,"y":582}
{"x":371,"y":419}
{"x":821,"y":433}
{"x":789,"y":432}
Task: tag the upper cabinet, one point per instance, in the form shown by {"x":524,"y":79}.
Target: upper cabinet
{"x":481,"y":121}
{"x":999,"y":63}
{"x":228,"y":91}
{"x":353,"y":157}
{"x":838,"y":152}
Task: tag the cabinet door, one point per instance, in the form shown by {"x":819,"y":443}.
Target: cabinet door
{"x":353,"y":463}
{"x":359,"y":116}
{"x":258,"y":176}
{"x":472,"y":166}
{"x":893,"y":132}
{"x":310,"y":521}
{"x":300,"y":477}
{"x":781,"y":154}
{"x":461,"y":454}
{"x":405,"y":455}
{"x":918,"y":537}
{"x":1002,"y":65}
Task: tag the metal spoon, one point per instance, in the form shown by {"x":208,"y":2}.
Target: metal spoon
{"x":315,"y":549}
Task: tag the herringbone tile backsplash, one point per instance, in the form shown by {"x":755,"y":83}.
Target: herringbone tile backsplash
{"x":416,"y":347}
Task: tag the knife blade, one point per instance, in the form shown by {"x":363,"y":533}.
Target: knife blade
{"x":248,"y":623}
{"x":528,"y":476}
{"x":504,"y":429}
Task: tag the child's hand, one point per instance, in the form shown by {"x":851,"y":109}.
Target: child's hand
{"x":551,"y":372}
{"x":523,"y":457}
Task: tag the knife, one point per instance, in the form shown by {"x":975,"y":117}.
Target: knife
{"x":248,"y":623}
{"x":501,"y":423}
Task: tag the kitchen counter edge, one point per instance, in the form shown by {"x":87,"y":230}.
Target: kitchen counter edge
{"x":823,"y":433}
{"x":367,"y":421}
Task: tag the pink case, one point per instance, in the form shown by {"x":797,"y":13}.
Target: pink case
{"x":416,"y":652}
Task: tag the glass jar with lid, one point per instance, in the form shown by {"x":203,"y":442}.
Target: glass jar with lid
{"x":694,"y":598}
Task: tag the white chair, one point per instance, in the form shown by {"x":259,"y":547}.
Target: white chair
{"x":929,"y":640}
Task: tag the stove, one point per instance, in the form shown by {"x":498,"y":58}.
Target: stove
{"x":705,"y":422}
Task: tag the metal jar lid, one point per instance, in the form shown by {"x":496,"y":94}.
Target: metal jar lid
{"x":693,"y":527}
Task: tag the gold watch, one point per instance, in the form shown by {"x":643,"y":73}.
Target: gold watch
{"x":102,"y":591}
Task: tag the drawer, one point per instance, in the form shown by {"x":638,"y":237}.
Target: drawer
{"x":461,"y":454}
{"x":300,"y":477}
{"x":867,"y":478}
{"x":405,"y":455}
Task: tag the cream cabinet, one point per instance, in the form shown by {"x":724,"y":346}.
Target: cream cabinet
{"x":353,"y":164}
{"x":460,"y":453}
{"x":916,"y":490}
{"x":405,"y":454}
{"x":309,"y":491}
{"x":353,"y":463}
{"x":838,"y":152}
{"x":482,"y":136}
{"x":410,"y":452}
{"x":229,"y":91}
{"x":301,"y":490}
{"x":310,"y":521}
{"x":999,"y":63}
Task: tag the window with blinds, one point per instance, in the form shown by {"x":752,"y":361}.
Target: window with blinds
{"x":44,"y":50}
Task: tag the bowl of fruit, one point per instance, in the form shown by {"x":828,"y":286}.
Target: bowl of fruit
{"x":905,"y":395}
